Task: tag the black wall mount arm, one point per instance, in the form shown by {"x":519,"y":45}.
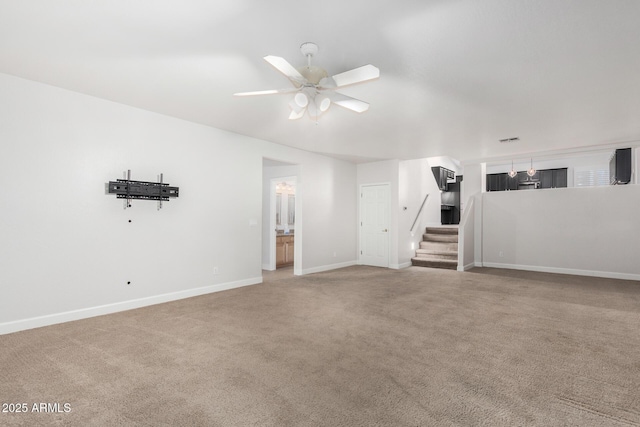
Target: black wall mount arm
{"x":142,"y":190}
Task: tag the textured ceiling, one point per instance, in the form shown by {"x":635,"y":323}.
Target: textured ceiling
{"x":456,"y":75}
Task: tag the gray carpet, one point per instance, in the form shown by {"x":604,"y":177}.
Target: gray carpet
{"x":359,"y":346}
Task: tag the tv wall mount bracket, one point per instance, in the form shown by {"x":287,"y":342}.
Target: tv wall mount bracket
{"x":128,"y":190}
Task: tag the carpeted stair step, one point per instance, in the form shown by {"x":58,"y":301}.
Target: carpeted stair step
{"x":437,"y":254}
{"x":440,"y":246}
{"x":440,"y":237}
{"x":442,"y":230}
{"x":438,"y":249}
{"x":434,"y":263}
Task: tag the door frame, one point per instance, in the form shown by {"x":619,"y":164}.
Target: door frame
{"x":272,"y":223}
{"x":360,"y":189}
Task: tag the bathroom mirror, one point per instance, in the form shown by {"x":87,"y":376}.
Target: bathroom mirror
{"x":291,"y":209}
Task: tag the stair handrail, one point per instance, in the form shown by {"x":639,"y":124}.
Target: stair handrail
{"x":419,"y":210}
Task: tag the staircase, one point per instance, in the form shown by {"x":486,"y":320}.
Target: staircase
{"x":438,"y":249}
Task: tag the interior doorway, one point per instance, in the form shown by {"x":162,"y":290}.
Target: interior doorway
{"x":285,"y":221}
{"x":281,"y":217}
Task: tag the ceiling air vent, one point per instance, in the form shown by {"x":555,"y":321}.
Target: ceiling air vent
{"x":507,"y":140}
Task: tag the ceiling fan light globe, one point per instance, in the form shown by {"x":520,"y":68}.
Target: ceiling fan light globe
{"x":325,"y":103}
{"x":301,"y":100}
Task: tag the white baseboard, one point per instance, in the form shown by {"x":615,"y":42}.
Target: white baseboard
{"x":467,"y":266}
{"x":327,"y":267}
{"x":267,"y":267}
{"x":400,"y":266}
{"x":68,"y":316}
{"x":558,"y":270}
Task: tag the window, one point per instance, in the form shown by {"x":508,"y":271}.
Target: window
{"x":591,"y":176}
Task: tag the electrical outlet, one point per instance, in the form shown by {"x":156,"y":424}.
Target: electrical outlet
{"x":215,"y":270}
{"x":335,"y":254}
{"x":501,"y":254}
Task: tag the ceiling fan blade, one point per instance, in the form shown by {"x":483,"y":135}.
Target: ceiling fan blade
{"x":287,"y":69}
{"x":327,"y":83}
{"x":349,"y":102}
{"x":357,"y":75}
{"x":266,"y":92}
{"x":296,"y":115}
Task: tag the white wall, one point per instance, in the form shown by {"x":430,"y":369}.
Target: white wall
{"x":415,"y":181}
{"x":67,"y":249}
{"x":326,"y":195}
{"x":446,"y":162}
{"x":466,"y":236}
{"x":586,"y":231}
{"x":326,"y":200}
{"x":474,"y":185}
{"x":410,"y":181}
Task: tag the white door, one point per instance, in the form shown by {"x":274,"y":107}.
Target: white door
{"x":374,"y":225}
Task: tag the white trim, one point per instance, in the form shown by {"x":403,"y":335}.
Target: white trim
{"x":328,"y":267}
{"x":559,"y":270}
{"x":272,"y":217}
{"x":432,"y":224}
{"x":83,"y":313}
{"x":400,"y":266}
{"x":272,"y":224}
{"x":467,"y":266}
{"x":297,"y":235}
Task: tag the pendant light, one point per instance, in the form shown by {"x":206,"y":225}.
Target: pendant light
{"x":512,"y":172}
{"x":531,"y":170}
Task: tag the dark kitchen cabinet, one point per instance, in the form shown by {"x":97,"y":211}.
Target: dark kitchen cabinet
{"x":546,"y":178}
{"x":492,"y":182}
{"x":442,"y":176}
{"x":501,"y":182}
{"x":523,"y":176}
{"x":512,"y":183}
{"x":496,"y":182}
{"x":560,"y":178}
{"x":553,"y":178}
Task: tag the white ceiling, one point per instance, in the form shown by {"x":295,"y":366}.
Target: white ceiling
{"x":456,"y":75}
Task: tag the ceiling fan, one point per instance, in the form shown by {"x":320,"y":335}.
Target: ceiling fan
{"x":314,"y":90}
